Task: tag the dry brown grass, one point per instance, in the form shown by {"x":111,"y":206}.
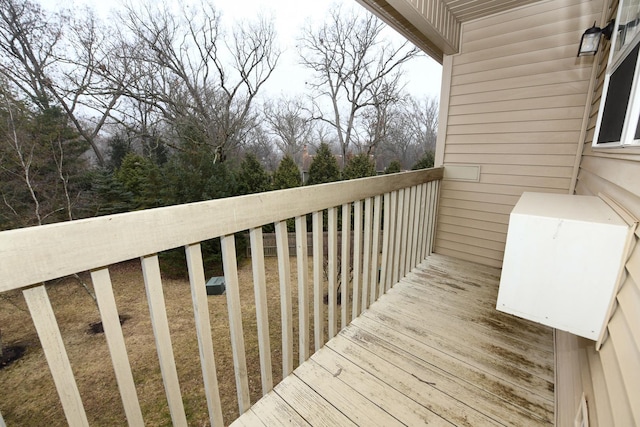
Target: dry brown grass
{"x":28,"y":392}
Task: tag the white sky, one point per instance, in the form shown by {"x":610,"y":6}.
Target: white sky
{"x":422,"y":75}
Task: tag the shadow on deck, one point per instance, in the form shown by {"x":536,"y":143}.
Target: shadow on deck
{"x":432,"y":350}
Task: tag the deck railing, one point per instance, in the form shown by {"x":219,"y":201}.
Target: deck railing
{"x":399,"y":207}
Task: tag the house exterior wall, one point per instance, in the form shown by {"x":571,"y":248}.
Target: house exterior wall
{"x":513,"y":104}
{"x":610,"y":378}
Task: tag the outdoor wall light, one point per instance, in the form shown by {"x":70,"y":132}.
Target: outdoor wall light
{"x":591,"y":39}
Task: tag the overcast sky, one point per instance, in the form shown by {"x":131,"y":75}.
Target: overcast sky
{"x":422,"y":74}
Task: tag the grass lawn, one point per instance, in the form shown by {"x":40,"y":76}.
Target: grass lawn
{"x":29,"y":397}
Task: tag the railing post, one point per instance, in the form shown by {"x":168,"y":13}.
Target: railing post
{"x":302,"y":260}
{"x":286,"y":310}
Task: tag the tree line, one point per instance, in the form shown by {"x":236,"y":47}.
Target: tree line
{"x":162,"y":105}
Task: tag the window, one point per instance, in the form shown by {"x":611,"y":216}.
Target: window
{"x":618,"y":118}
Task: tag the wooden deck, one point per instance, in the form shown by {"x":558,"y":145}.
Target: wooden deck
{"x":432,"y":351}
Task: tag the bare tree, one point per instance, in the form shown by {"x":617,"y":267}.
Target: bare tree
{"x":199,"y":80}
{"x":291,"y":125}
{"x":62,"y":59}
{"x":411,"y":130}
{"x":355,"y":70}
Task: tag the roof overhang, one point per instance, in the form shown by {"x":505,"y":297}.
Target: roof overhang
{"x":435,"y":25}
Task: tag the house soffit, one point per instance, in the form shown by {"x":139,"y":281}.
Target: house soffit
{"x":434,"y":25}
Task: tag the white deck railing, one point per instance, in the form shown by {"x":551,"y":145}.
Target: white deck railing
{"x":400,"y":207}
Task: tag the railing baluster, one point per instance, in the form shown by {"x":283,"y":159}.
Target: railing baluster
{"x":400,"y":235}
{"x":160,"y":323}
{"x":375,"y":249}
{"x":235,"y":320}
{"x":318,"y":267}
{"x":302,"y":260}
{"x":415,"y":249}
{"x":394,"y":241}
{"x":262,"y":316}
{"x":286,"y":310}
{"x":410,"y":229}
{"x":332,"y":255}
{"x":56,"y":355}
{"x":386,"y":237}
{"x":203,"y":332}
{"x":357,"y":257}
{"x":424,"y":211}
{"x":2,"y":423}
{"x":404,"y":255}
{"x":366,"y":256}
{"x":345,"y":261}
{"x":103,"y":289}
{"x":433,"y":212}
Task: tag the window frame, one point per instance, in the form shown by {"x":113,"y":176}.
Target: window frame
{"x":632,"y":112}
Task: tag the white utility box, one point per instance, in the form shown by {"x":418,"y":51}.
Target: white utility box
{"x":561,"y":261}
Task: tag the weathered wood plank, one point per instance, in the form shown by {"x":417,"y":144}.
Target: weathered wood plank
{"x":359,"y":409}
{"x":311,"y":406}
{"x":394,"y":402}
{"x":272,"y":410}
{"x":413,"y":385}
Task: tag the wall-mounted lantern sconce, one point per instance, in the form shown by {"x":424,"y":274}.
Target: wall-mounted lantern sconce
{"x":591,"y":39}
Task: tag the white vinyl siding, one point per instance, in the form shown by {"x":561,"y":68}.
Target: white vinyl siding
{"x":515,"y":107}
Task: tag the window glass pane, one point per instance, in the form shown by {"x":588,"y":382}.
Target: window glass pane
{"x":628,"y":25}
{"x":615,"y":106}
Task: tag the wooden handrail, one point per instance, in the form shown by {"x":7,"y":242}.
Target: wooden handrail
{"x":36,"y":254}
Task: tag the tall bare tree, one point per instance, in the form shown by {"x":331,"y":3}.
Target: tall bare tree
{"x":200,"y":80}
{"x":289,"y":122}
{"x":62,"y":59}
{"x":355,"y":70}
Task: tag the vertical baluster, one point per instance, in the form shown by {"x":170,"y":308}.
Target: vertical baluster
{"x":47,"y":328}
{"x":410,"y":230}
{"x":332,"y":255}
{"x":386,"y":238}
{"x":286,"y":310}
{"x":115,"y":341}
{"x":366,"y":256}
{"x":302,"y":260}
{"x":415,"y":249}
{"x":230,"y":266}
{"x":318,"y":266}
{"x":394,"y":240}
{"x":375,"y":249}
{"x":262,"y":315}
{"x":357,"y":257}
{"x":404,"y":255}
{"x":203,"y":331}
{"x":2,"y":423}
{"x":434,"y":213}
{"x":345,"y":260}
{"x":424,"y":212}
{"x":401,"y":247}
{"x":160,"y":323}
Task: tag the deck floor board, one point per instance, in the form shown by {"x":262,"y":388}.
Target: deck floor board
{"x":432,"y":351}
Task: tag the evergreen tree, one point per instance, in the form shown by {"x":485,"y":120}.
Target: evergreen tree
{"x":425,"y":162}
{"x":359,"y":166}
{"x":287,"y":175}
{"x":252,"y":176}
{"x":140,"y":177}
{"x":324,"y":167}
{"x":394,"y":167}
